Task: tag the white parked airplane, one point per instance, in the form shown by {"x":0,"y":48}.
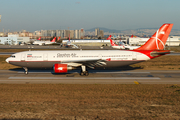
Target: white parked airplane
{"x":122,"y":45}
{"x":62,"y":61}
{"x":115,"y":45}
{"x":69,"y":44}
{"x":38,"y":42}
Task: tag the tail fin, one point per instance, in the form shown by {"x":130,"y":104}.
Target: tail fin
{"x":158,"y":40}
{"x":109,"y":37}
{"x":112,"y":43}
{"x":59,"y":38}
{"x":39,"y":38}
{"x":54,"y":39}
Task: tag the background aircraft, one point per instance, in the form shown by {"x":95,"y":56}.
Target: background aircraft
{"x":69,"y":44}
{"x":115,"y":45}
{"x":62,"y":61}
{"x":121,"y":45}
{"x":39,"y":42}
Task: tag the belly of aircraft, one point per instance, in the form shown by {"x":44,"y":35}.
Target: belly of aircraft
{"x":49,"y":64}
{"x":119,"y":63}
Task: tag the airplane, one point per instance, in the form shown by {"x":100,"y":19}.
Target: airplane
{"x":62,"y":61}
{"x":45,"y":42}
{"x":69,"y":44}
{"x":51,"y":42}
{"x":122,"y":45}
{"x":32,"y":40}
{"x":115,"y":45}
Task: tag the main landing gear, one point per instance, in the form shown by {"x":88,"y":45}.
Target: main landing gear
{"x":26,"y":70}
{"x":84,"y":72}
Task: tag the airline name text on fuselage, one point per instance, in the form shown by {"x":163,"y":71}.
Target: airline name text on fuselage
{"x":66,"y":55}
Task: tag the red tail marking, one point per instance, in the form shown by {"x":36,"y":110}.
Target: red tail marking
{"x":59,"y":38}
{"x":54,"y":39}
{"x":39,"y":38}
{"x":109,"y":37}
{"x":158,"y":40}
{"x":112,"y":43}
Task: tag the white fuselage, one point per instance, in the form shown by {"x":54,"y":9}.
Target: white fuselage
{"x":43,"y":42}
{"x":118,"y":47}
{"x":46,"y":59}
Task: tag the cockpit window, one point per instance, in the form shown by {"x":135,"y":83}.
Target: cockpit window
{"x":13,"y":56}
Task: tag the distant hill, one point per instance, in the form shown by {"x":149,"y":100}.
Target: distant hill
{"x":105,"y":30}
{"x":140,"y":31}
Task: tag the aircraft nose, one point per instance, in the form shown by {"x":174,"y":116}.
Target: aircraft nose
{"x":7,"y":60}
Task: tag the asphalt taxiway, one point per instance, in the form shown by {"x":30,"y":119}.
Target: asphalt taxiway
{"x":95,"y":77}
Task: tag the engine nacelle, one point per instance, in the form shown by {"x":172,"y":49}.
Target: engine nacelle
{"x":61,"y":68}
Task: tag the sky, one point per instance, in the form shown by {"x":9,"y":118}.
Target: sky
{"x":32,"y":15}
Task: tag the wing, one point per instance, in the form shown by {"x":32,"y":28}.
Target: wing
{"x":91,"y":63}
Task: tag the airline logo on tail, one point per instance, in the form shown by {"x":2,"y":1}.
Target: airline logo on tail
{"x":112,"y":43}
{"x":54,"y":39}
{"x":158,"y":40}
{"x":39,"y":38}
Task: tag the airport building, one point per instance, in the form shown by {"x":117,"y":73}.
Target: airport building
{"x":171,"y":41}
{"x":13,"y":40}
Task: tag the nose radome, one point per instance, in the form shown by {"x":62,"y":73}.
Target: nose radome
{"x":7,"y":60}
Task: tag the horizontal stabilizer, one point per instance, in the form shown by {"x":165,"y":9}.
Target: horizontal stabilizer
{"x":160,"y":52}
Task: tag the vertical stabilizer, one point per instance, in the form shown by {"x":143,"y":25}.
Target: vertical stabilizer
{"x":158,"y":40}
{"x":54,"y":39}
{"x":39,"y":38}
{"x":112,"y":43}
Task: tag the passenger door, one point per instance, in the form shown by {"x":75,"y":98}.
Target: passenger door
{"x":23,"y":57}
{"x":134,"y":56}
{"x":45,"y":57}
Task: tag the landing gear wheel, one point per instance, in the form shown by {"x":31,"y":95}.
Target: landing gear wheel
{"x":81,"y":73}
{"x":86,"y":73}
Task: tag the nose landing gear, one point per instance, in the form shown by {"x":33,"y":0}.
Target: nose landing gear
{"x":26,"y":70}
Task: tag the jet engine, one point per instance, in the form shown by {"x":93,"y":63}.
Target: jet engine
{"x":61,"y":68}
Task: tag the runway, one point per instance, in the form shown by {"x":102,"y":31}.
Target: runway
{"x":95,"y":77}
